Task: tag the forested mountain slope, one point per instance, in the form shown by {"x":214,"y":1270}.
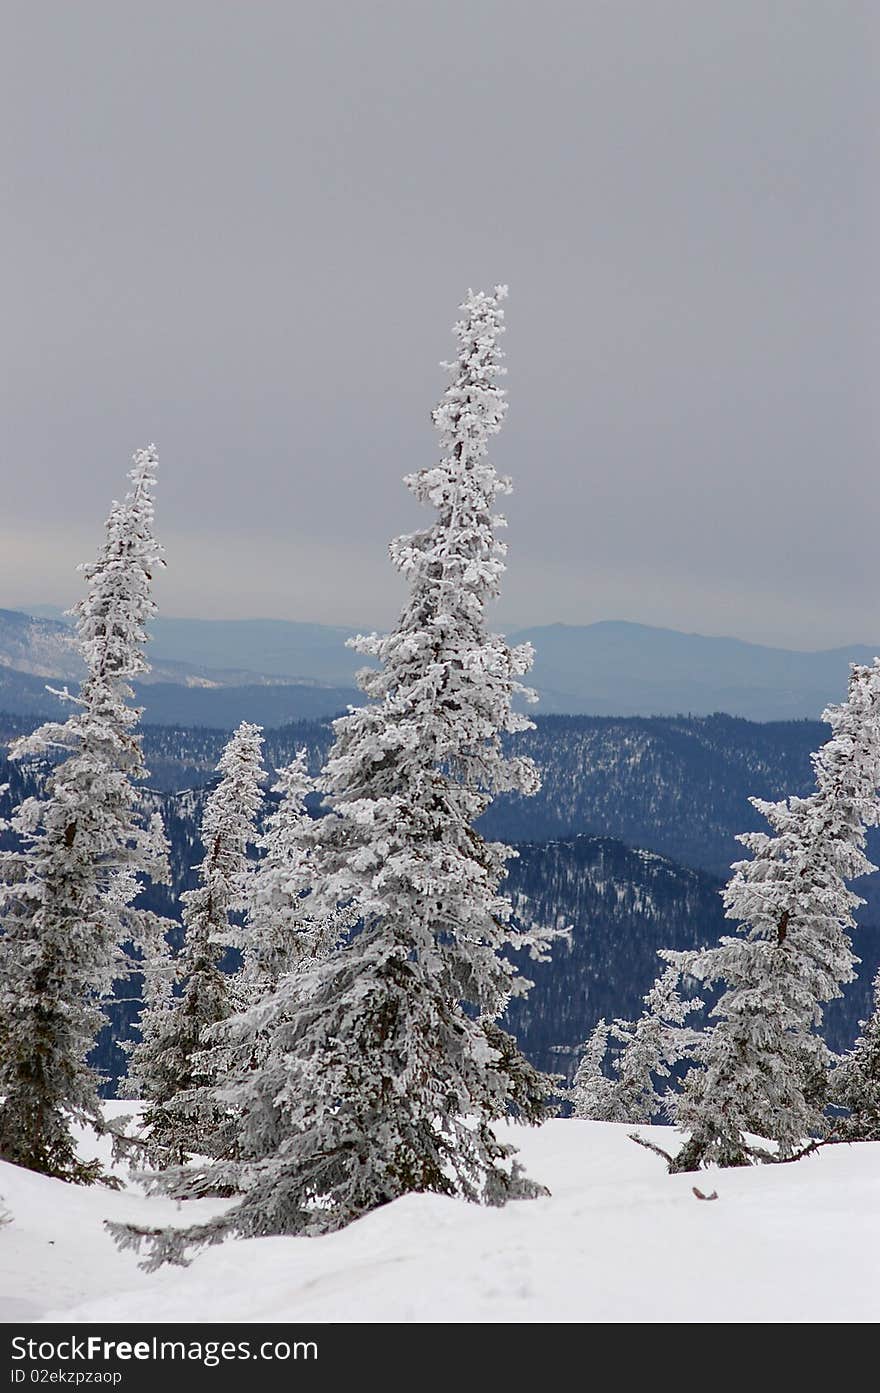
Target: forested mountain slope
{"x":624,"y":904}
{"x":677,"y":785}
{"x":628,"y":842}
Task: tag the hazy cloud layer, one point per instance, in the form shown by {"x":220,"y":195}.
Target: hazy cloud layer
{"x":243,"y":230}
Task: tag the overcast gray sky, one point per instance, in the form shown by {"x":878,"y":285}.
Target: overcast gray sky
{"x":242,"y":230}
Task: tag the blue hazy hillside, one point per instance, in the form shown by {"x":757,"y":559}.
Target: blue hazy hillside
{"x":273,"y":647}
{"x":315,"y":652}
{"x":621,"y":669}
{"x":612,"y":668}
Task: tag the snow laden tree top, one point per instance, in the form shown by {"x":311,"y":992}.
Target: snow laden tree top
{"x":762,"y":1068}
{"x":427,"y":753}
{"x":66,"y":897}
{"x":647,"y":1050}
{"x":111,"y":618}
{"x":280,"y":931}
{"x":111,"y":624}
{"x":384,"y":1066}
{"x":228,"y":825}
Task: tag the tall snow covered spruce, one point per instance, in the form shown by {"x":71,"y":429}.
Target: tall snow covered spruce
{"x":169,"y":1068}
{"x":386,"y":1067}
{"x":762,"y":1068}
{"x":66,"y":898}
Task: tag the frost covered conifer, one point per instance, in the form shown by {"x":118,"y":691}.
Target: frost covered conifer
{"x":856,"y":1083}
{"x":66,"y":896}
{"x":169,"y":1064}
{"x":283,"y":932}
{"x":593,"y":1092}
{"x":647,"y":1050}
{"x":259,"y":1085}
{"x":762,"y":1068}
{"x":280,"y":931}
{"x":388,"y":1068}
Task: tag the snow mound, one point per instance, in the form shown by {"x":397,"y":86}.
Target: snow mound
{"x":619,"y":1240}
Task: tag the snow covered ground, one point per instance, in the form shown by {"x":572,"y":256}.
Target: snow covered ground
{"x":619,"y":1240}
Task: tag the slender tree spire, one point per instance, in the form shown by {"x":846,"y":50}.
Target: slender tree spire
{"x":66,"y":896}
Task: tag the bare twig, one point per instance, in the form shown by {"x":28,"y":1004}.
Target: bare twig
{"x":650,"y":1146}
{"x":809,"y":1150}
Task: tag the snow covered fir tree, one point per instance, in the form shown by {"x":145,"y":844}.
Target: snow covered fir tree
{"x":762,"y":1070}
{"x":280,"y":931}
{"x":171,"y":1070}
{"x":645,"y":1053}
{"x":284,"y":929}
{"x":212,"y":1100}
{"x":855,"y":1083}
{"x":67,"y":895}
{"x":385,"y":1067}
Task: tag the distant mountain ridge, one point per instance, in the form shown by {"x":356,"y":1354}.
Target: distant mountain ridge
{"x":676,"y":786}
{"x":284,"y":649}
{"x":174,"y":704}
{"x":612,"y":668}
{"x":615,"y":668}
{"x":37,"y":652}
